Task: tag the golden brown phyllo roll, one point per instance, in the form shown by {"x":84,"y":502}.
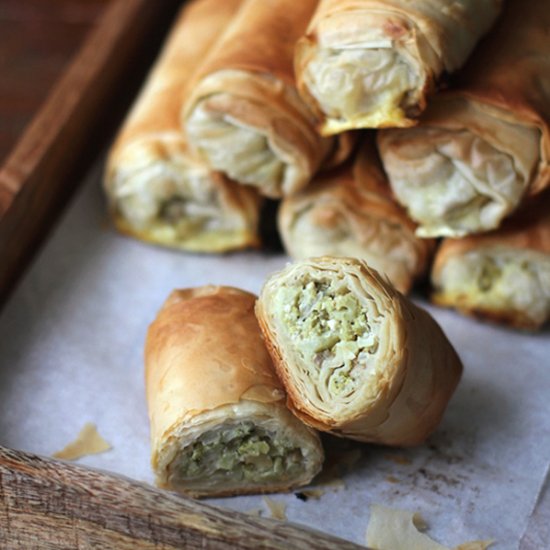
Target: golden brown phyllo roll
{"x":504,"y":275}
{"x":350,"y":212}
{"x":357,"y":358}
{"x":372,"y":63}
{"x":157,"y":191}
{"x":484,"y":145}
{"x":245,"y":116}
{"x":219,"y":424}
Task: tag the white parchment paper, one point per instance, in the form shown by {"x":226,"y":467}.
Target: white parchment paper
{"x":71,"y":340}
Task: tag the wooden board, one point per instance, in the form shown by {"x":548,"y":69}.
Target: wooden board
{"x":38,"y":40}
{"x":46,"y":504}
{"x":68,"y":133}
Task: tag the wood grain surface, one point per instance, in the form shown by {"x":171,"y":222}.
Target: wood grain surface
{"x":38,"y":39}
{"x":73,"y":125}
{"x":47,"y":504}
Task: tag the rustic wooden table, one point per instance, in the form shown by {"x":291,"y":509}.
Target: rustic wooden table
{"x":38,"y":39}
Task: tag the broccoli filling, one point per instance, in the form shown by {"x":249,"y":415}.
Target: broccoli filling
{"x":501,"y":280}
{"x":239,"y":452}
{"x":189,"y":217}
{"x":488,"y":273}
{"x":328,"y":325}
{"x":172,"y":197}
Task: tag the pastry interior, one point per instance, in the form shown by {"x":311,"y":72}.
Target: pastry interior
{"x":499,"y":281}
{"x":335,"y":334}
{"x":463,"y":170}
{"x":254,"y":136}
{"x":242,"y":445}
{"x":364,"y":80}
{"x":165,"y":196}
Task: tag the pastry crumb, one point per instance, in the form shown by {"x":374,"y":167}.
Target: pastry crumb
{"x":390,"y":529}
{"x":87,"y":442}
{"x":276,"y":508}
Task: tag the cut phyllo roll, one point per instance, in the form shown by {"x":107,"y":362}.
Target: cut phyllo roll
{"x":219,"y":424}
{"x":504,"y":275}
{"x":350,"y":212}
{"x":372,"y":63}
{"x":245,"y":117}
{"x":156,"y":189}
{"x":484,"y":145}
{"x":357,"y":358}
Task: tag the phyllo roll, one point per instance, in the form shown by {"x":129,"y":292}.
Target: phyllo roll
{"x":219,"y":424}
{"x":483,"y":146}
{"x":350,"y":212}
{"x":156,"y":189}
{"x":504,"y":275}
{"x":372,"y":63}
{"x":356,"y":357}
{"x":245,"y":116}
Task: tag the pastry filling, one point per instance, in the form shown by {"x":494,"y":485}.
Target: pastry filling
{"x":454,"y":182}
{"x":372,"y":86}
{"x":163,"y":195}
{"x":500,"y":280}
{"x":331,"y":330}
{"x":236,"y":452}
{"x":173,"y":201}
{"x":386,"y":246}
{"x":244,"y":153}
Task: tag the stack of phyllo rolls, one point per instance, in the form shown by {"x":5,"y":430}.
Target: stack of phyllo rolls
{"x":252,"y":100}
{"x":257,"y":99}
{"x":342,"y":352}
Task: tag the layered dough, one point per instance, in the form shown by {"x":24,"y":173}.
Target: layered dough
{"x":483,"y":146}
{"x":372,"y":63}
{"x":503,"y":276}
{"x":157,"y":190}
{"x":245,"y":117}
{"x":350,"y":212}
{"x":356,"y":357}
{"x":463,"y":170}
{"x":219,"y":424}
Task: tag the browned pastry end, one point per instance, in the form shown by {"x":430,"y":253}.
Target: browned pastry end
{"x":357,"y":358}
{"x":502,"y":276}
{"x":158,"y":191}
{"x":350,"y":212}
{"x":219,"y":424}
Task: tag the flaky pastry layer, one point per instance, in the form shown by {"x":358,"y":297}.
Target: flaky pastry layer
{"x":157,"y":190}
{"x":356,"y":357}
{"x":245,"y":116}
{"x":350,"y":213}
{"x":219,"y":425}
{"x":372,"y":63}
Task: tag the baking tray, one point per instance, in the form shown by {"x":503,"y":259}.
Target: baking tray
{"x":71,"y":340}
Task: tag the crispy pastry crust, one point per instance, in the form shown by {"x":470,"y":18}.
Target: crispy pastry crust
{"x":204,"y":355}
{"x":151,"y":138}
{"x":359,"y":193}
{"x":439,"y":36}
{"x":415,"y":381}
{"x":529,"y":230}
{"x":248,"y":78}
{"x":503,"y":90}
{"x":511,"y":71}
